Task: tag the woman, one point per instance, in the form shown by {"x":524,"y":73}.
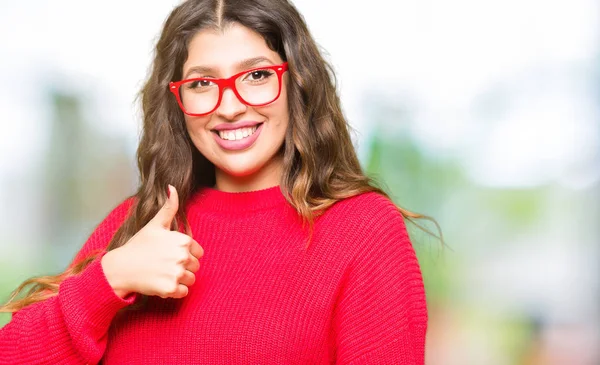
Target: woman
{"x":254,"y":237}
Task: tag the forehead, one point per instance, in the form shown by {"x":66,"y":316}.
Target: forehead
{"x":222,"y":51}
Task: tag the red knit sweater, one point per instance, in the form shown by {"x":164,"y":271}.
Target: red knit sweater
{"x":355,"y":296}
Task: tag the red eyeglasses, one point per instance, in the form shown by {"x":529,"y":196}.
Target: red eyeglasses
{"x":254,"y":87}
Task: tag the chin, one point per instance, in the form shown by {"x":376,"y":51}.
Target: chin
{"x":240,"y":171}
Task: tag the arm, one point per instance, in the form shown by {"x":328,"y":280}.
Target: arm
{"x":71,"y":327}
{"x":381,"y":316}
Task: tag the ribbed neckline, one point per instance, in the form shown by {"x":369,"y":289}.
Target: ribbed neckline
{"x":243,"y":201}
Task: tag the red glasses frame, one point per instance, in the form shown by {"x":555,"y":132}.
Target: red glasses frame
{"x":227,"y":83}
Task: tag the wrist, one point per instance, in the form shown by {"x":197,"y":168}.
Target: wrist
{"x":114,"y":278}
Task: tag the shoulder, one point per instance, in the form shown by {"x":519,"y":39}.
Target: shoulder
{"x":106,"y":229}
{"x":123,"y":209}
{"x":381,"y":310}
{"x":368,"y":220}
{"x":367,"y":199}
{"x":116,"y":216}
{"x":370,"y":210}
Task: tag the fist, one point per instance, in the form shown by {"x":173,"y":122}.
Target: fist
{"x":155,"y":261}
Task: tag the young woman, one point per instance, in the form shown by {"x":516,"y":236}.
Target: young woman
{"x":254,"y":237}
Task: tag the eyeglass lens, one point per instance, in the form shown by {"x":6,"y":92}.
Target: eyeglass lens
{"x":255,"y":88}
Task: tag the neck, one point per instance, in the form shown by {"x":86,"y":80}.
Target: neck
{"x":268,"y":176}
{"x":218,"y":200}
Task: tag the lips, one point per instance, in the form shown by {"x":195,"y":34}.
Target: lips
{"x":236,"y":125}
{"x":237,"y":134}
{"x":238,"y":144}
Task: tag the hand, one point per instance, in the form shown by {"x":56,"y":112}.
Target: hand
{"x":156,"y":260}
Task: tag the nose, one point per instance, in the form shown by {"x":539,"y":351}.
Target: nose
{"x":230,"y":105}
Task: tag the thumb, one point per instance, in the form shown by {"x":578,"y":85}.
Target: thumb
{"x":167,"y":213}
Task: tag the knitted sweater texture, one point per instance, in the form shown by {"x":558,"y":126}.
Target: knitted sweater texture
{"x":354,"y":296}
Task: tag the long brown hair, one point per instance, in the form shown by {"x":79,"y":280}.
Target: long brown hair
{"x":320,"y":162}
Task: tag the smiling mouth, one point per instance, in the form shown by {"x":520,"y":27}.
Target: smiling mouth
{"x":236,"y":134}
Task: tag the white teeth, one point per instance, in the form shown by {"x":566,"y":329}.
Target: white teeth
{"x":237,"y":134}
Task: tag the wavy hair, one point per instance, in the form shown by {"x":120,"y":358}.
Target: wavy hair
{"x":320,"y":165}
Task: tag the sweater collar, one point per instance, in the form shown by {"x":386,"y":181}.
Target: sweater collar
{"x":214,"y":199}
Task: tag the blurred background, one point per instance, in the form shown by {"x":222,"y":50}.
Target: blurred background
{"x":481,"y":114}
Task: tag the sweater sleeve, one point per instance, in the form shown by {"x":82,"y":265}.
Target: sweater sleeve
{"x":381,"y":315}
{"x":71,"y":327}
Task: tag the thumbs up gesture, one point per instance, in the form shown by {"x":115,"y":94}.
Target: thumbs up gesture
{"x":155,"y":261}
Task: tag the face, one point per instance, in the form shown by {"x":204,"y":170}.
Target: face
{"x":251,"y":162}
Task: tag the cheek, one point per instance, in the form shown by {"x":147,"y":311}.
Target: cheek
{"x":281,"y":114}
{"x":280,"y":110}
{"x":195,"y":125}
{"x":201,"y":138}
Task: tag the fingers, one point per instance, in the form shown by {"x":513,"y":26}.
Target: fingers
{"x":180,"y":288}
{"x":180,"y":292}
{"x":195,"y":249}
{"x":191,"y":252}
{"x":192,"y":264}
{"x":167,"y":213}
{"x":188,"y":278}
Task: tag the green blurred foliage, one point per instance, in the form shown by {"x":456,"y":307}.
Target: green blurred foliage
{"x":417,"y":183}
{"x":83,"y":174}
{"x":475,"y":221}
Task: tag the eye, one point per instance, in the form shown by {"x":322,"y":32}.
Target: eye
{"x":258,"y":75}
{"x":199,"y":84}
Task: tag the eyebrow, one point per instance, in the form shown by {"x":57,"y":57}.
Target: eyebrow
{"x":242,"y":65}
